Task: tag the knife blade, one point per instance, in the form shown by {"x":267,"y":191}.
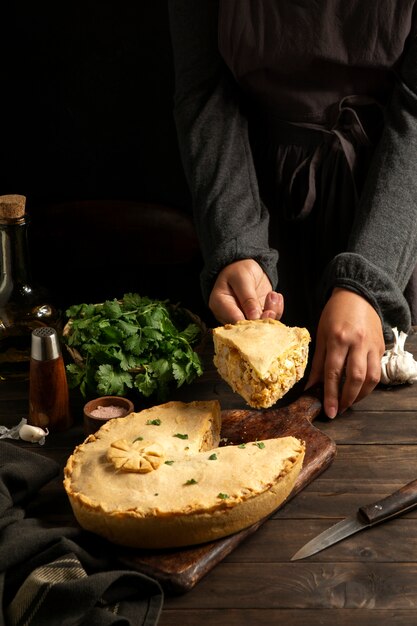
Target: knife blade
{"x":395,"y":504}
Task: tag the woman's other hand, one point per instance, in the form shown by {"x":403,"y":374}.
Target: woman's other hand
{"x":243,"y":291}
{"x":349,"y":347}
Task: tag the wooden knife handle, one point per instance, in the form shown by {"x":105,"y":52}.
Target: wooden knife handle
{"x":398,"y":502}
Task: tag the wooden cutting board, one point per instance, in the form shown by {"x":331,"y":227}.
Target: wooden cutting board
{"x":179,"y":569}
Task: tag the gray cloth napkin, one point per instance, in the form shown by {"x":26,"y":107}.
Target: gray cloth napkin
{"x":60,"y":576}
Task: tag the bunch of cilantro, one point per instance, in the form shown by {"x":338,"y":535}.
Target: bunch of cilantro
{"x":133,"y":343}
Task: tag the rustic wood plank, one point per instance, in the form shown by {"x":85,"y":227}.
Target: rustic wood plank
{"x":394,"y":398}
{"x":372,"y":427}
{"x":278,"y":540}
{"x":374,"y":462}
{"x":307,"y":617}
{"x":304,"y":585}
{"x":338,"y":497}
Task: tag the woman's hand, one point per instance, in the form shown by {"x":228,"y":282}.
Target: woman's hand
{"x":243,"y":291}
{"x":350,"y":343}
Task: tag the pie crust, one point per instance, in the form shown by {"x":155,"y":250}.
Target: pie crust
{"x":177,"y":487}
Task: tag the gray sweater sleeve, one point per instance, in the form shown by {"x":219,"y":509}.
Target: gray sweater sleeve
{"x":231,"y":220}
{"x":382,"y":250}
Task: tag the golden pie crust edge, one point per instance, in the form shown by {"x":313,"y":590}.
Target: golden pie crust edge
{"x":135,"y":531}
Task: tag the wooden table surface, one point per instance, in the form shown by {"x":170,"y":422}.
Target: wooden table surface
{"x":366,"y":580}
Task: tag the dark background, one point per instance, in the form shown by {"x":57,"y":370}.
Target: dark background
{"x":88,"y":136}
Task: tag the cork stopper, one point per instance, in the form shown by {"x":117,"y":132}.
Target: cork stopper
{"x":12,"y":208}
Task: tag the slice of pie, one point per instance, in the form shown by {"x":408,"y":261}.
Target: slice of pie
{"x":157,"y":479}
{"x":260,"y":359}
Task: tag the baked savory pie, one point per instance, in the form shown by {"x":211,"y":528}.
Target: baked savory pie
{"x":260,"y":359}
{"x":158,"y":479}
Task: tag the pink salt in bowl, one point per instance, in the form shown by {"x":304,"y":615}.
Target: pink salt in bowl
{"x":100,"y":410}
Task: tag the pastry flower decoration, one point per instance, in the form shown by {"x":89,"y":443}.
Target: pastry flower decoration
{"x":397,"y":365}
{"x":138,"y":456}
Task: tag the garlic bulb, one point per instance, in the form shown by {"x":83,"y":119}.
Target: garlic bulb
{"x":33,"y":434}
{"x":397,"y":365}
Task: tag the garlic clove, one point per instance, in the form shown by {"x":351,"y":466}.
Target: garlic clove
{"x":34,"y":434}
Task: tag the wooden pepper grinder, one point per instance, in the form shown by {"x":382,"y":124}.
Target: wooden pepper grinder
{"x":48,"y":388}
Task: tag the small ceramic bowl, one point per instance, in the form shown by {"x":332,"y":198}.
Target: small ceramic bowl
{"x":100,"y":410}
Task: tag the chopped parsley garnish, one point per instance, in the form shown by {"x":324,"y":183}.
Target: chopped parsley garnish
{"x":181,"y":436}
{"x":191,"y":481}
{"x":260,"y":444}
{"x":223,"y":496}
{"x":242,"y":445}
{"x":213,"y":457}
{"x":156,"y":422}
{"x":169,"y":462}
{"x":137,"y":439}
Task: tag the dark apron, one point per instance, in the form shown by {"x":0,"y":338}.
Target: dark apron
{"x":312,"y":135}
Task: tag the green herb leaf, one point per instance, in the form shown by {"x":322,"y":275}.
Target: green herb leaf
{"x":213,"y":457}
{"x":111,"y":382}
{"x":223,"y":496}
{"x":242,"y":445}
{"x":181,"y":436}
{"x":137,"y":439}
{"x":155,"y":422}
{"x":260,"y":444}
{"x":191,"y":481}
{"x":169,"y":462}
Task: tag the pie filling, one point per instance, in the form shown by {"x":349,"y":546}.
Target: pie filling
{"x":259,"y":392}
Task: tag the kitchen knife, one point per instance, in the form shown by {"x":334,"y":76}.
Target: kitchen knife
{"x":366,"y":516}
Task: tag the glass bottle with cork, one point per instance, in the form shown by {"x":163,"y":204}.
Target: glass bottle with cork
{"x":24,"y":306}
